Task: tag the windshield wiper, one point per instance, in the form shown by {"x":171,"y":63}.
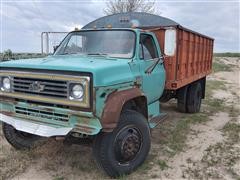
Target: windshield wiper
{"x":97,"y":54}
{"x":65,"y":53}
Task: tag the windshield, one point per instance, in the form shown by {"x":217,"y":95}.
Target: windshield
{"x":111,"y":43}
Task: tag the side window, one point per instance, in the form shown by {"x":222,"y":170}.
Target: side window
{"x":148,"y":48}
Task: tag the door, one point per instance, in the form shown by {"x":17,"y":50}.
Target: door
{"x":149,"y":52}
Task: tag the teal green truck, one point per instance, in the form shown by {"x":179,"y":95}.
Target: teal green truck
{"x":103,"y":85}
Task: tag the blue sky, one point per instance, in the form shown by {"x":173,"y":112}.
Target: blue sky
{"x":23,"y":21}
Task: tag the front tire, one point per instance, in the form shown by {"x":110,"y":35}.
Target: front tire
{"x":123,"y":150}
{"x":18,"y":139}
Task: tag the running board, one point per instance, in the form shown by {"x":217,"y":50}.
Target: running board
{"x":155,"y":121}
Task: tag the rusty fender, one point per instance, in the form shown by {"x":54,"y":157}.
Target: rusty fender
{"x":113,"y":107}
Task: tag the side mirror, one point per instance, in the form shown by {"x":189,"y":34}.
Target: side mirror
{"x":55,"y":48}
{"x":170,"y":42}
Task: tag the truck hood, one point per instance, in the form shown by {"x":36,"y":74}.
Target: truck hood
{"x":106,"y":71}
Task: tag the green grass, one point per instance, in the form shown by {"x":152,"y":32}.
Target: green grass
{"x":216,"y":105}
{"x":17,"y":56}
{"x":13,"y":162}
{"x":162,"y":164}
{"x":227,"y":54}
{"x":232,"y":130}
{"x":175,"y":133}
{"x":216,"y":85}
{"x":148,"y":164}
{"x":224,"y":154}
{"x":58,"y":178}
{"x":179,"y":134}
{"x":218,"y":66}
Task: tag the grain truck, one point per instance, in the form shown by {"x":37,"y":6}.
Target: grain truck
{"x":103,"y":85}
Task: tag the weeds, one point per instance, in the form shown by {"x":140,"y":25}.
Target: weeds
{"x":13,"y":162}
{"x":162,"y":164}
{"x":227,"y":54}
{"x":148,"y":164}
{"x":218,"y":66}
{"x":232,"y":131}
{"x":58,"y":178}
{"x":175,"y":133}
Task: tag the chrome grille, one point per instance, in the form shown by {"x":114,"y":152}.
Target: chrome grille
{"x":46,"y":114}
{"x":51,"y":88}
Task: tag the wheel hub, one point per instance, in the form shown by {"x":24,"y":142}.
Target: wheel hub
{"x":128,"y":144}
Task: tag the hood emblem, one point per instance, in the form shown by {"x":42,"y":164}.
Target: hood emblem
{"x":36,"y":86}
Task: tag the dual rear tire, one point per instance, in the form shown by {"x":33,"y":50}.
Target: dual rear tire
{"x":189,"y":98}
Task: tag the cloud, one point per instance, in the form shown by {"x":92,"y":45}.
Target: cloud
{"x":23,"y":22}
{"x":219,"y":20}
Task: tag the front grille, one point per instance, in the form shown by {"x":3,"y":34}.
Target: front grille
{"x":45,"y":114}
{"x":51,"y":88}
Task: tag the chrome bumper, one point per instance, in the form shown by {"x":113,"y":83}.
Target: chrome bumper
{"x":33,"y":128}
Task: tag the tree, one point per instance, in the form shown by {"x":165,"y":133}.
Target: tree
{"x":7,"y":55}
{"x":121,"y":6}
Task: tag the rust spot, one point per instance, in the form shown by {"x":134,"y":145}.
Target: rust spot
{"x":8,"y":100}
{"x":48,"y":109}
{"x":87,"y":130}
{"x":7,"y":113}
{"x":113,"y":107}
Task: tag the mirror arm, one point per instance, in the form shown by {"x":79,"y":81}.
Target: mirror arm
{"x":151,"y":68}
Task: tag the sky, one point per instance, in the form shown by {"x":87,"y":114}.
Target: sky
{"x":22,"y":21}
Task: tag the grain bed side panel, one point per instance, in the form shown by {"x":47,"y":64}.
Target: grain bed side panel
{"x":170,"y":62}
{"x":193,"y":59}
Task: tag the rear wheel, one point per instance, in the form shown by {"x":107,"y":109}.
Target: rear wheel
{"x":194,"y":98}
{"x":123,"y":150}
{"x":18,"y":139}
{"x":182,"y":99}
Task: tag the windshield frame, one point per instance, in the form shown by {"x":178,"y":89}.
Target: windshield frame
{"x":103,"y":29}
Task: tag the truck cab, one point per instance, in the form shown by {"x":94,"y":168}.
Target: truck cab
{"x":102,"y":86}
{"x":93,"y":79}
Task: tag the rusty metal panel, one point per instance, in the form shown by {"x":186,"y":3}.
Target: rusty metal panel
{"x":113,"y":106}
{"x":170,"y":61}
{"x":192,"y":60}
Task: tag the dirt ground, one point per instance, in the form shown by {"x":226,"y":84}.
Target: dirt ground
{"x":205,"y":145}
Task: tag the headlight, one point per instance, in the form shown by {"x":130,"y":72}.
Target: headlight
{"x":77,"y":91}
{"x":6,"y":84}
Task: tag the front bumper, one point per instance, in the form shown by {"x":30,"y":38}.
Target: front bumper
{"x":33,"y":128}
{"x":48,"y":121}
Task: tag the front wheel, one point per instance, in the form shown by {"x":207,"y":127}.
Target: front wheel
{"x":18,"y":139}
{"x":123,"y":150}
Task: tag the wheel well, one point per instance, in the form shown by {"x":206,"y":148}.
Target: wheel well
{"x":138,"y":104}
